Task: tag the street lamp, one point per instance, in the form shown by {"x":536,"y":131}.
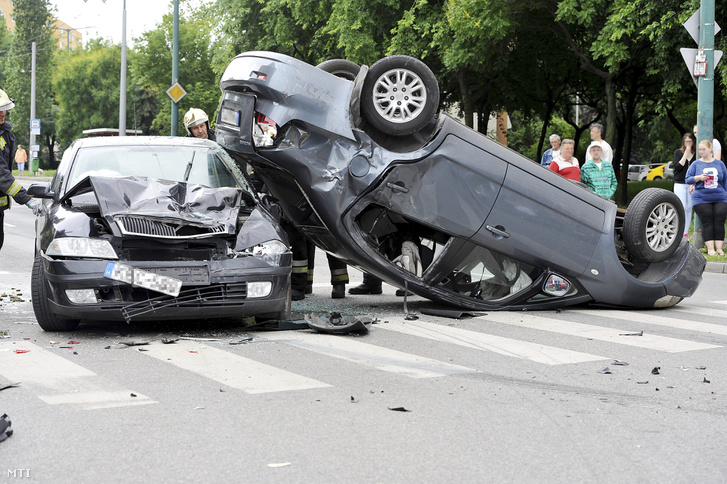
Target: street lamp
{"x":122,"y":88}
{"x":68,"y":35}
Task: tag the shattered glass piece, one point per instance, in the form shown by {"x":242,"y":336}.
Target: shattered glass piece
{"x":619,"y":363}
{"x":133,"y":343}
{"x":706,"y":381}
{"x":701,"y":368}
{"x":168,"y":341}
{"x":605,"y":371}
{"x":640,"y":333}
{"x":642,"y":382}
{"x":655,"y":371}
{"x":274,"y":465}
{"x":5,"y":430}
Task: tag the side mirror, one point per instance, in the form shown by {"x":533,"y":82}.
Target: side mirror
{"x":40,"y":190}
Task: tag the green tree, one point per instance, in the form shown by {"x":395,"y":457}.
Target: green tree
{"x":151,"y":66}
{"x":33,"y":23}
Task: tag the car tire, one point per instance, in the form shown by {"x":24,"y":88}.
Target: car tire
{"x":400,"y":95}
{"x":657,"y":178}
{"x":653,"y":225}
{"x":342,"y":68}
{"x":47,"y":320}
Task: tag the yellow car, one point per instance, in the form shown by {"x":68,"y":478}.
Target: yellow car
{"x":660,"y":172}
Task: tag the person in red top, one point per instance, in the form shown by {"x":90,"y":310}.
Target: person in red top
{"x":566,"y":164}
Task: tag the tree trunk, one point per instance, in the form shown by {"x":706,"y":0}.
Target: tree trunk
{"x":467,"y":103}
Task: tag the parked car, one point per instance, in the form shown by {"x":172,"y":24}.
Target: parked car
{"x":151,"y":228}
{"x":372,"y":173}
{"x":637,"y":172}
{"x":660,"y":172}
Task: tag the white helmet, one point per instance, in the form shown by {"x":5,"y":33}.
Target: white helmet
{"x":194,"y":117}
{"x":6,"y":103}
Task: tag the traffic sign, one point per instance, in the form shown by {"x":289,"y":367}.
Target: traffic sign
{"x":692,"y":26}
{"x":35,"y":126}
{"x":176,"y":92}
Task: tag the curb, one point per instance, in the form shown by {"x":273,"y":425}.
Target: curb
{"x":718,"y":267}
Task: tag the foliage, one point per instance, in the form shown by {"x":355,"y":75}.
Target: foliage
{"x":32,"y":24}
{"x":151,"y":68}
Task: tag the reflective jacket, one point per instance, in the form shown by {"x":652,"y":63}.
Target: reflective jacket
{"x":9,"y":187}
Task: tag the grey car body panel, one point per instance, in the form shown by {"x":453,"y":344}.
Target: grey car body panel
{"x":456,"y":181}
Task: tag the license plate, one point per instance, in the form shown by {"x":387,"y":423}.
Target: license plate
{"x":148,"y":280}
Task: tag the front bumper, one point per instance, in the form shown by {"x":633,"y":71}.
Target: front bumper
{"x":223,"y":294}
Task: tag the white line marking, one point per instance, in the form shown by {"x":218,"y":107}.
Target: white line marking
{"x":377,"y":357}
{"x":648,"y":341}
{"x":711,"y":312}
{"x":230,"y":369}
{"x":487,"y":342}
{"x":638,"y":318}
{"x":60,"y":381}
{"x":720,"y":302}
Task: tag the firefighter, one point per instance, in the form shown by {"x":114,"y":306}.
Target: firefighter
{"x":9,"y":187}
{"x":338,"y":268}
{"x":197,"y":125}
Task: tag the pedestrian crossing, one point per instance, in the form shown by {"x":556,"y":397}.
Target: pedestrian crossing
{"x":55,"y":379}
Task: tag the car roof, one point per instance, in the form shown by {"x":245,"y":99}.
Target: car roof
{"x":143,"y":141}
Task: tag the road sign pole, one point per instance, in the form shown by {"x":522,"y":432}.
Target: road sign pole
{"x":705,"y":96}
{"x":175,"y":65}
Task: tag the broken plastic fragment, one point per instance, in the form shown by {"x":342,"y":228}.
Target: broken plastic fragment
{"x":398,"y":409}
{"x":655,"y":371}
{"x":168,"y":341}
{"x":9,"y":385}
{"x":706,"y":381}
{"x":605,"y":371}
{"x":274,"y":465}
{"x":353,"y":400}
{"x":642,"y":382}
{"x":73,"y":342}
{"x":701,"y":367}
{"x":21,"y":351}
{"x":619,"y":363}
{"x":337,"y":324}
{"x":134,"y":343}
{"x":5,"y":430}
{"x":640,"y":333}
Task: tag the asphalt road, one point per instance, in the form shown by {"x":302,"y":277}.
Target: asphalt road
{"x":502,"y":397}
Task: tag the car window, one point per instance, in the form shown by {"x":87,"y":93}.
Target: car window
{"x":210,"y":167}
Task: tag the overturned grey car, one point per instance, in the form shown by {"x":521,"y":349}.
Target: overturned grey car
{"x":150,"y":228}
{"x":363,"y":164}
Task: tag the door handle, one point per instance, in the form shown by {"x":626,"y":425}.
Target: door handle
{"x":397,"y":188}
{"x":498,"y":231}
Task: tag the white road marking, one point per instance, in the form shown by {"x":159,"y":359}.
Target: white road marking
{"x":656,"y":319}
{"x":487,"y":342}
{"x":59,"y":381}
{"x":648,"y":341}
{"x":377,"y":357}
{"x":229,"y":369}
{"x":720,"y":302}
{"x":711,"y":312}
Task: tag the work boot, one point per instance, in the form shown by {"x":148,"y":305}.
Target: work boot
{"x":297,"y":295}
{"x":366,"y":289}
{"x":339,"y":291}
{"x":309,"y":288}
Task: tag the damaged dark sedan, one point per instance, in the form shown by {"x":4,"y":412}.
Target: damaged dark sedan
{"x":362,"y":163}
{"x":151,"y":228}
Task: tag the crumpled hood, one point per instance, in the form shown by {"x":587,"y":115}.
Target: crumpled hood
{"x":190,"y":204}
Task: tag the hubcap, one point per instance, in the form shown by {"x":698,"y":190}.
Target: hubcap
{"x":661,"y":228}
{"x":399,"y":95}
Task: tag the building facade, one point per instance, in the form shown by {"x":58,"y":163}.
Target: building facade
{"x":66,"y":37}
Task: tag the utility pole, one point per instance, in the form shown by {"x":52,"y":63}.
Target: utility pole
{"x":705,"y":96}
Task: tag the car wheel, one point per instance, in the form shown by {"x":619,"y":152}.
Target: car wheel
{"x":400,"y":95}
{"x":342,"y":68}
{"x":41,"y":306}
{"x":657,"y":178}
{"x":653,"y":225}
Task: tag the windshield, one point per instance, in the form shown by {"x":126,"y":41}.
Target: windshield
{"x":211,"y":167}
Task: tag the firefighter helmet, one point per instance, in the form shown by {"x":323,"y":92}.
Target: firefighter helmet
{"x":5,"y":102}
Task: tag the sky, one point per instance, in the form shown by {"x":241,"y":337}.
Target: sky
{"x":99,"y":18}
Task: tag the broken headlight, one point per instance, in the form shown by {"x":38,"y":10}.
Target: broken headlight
{"x":81,"y":247}
{"x":269,"y":251}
